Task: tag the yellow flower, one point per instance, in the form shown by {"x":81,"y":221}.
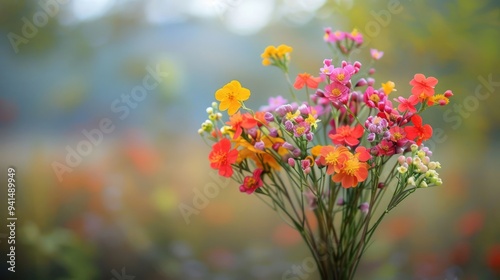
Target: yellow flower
{"x":273,"y":55}
{"x":230,"y":96}
{"x":388,"y":87}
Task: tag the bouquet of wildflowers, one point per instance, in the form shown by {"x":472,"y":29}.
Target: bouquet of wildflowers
{"x":336,"y":149}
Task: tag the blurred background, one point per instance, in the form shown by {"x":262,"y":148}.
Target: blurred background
{"x":114,"y":187}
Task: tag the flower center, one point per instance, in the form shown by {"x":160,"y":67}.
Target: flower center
{"x":375,"y":98}
{"x":300,"y":130}
{"x":351,"y":166}
{"x":336,"y":92}
{"x":340,"y":77}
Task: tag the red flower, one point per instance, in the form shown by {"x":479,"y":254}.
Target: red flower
{"x":251,"y":183}
{"x":239,"y":121}
{"x":421,"y":133}
{"x":423,"y":86}
{"x":221,"y":157}
{"x":347,"y":135}
{"x":306,"y":79}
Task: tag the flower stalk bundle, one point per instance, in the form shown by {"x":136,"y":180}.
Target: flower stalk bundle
{"x":337,"y":153}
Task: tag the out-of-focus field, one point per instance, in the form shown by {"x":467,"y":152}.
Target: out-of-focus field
{"x":115,"y":208}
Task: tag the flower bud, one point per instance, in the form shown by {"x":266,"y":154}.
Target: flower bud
{"x":291,"y":162}
{"x":364,"y":207}
{"x":448,"y":94}
{"x":210,"y":110}
{"x":259,"y":145}
{"x":214,"y":104}
{"x":288,"y":146}
{"x":361,"y":82}
{"x":268,"y":117}
{"x":401,"y":159}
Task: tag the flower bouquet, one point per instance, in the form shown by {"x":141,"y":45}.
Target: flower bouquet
{"x":336,"y":151}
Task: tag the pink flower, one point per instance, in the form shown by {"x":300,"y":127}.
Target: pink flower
{"x":251,"y":183}
{"x":336,"y":92}
{"x":407,"y":104}
{"x":341,"y":75}
{"x":372,"y":97}
{"x":376,"y":54}
{"x":385,"y":148}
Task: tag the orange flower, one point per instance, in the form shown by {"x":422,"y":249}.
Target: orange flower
{"x":306,"y":79}
{"x":221,"y":157}
{"x":239,"y":121}
{"x":332,"y":157}
{"x":347,"y":135}
{"x":352,"y":172}
{"x":230,"y":96}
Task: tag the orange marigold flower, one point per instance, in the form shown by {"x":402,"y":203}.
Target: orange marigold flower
{"x":306,"y":79}
{"x":221,"y":157}
{"x":419,"y":132}
{"x":347,"y":135}
{"x":230,"y":96}
{"x":352,"y":172}
{"x":423,"y":87}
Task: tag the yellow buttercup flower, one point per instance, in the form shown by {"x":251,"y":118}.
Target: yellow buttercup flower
{"x":231,"y":97}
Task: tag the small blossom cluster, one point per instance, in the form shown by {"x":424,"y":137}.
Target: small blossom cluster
{"x":345,"y":41}
{"x":418,"y":170}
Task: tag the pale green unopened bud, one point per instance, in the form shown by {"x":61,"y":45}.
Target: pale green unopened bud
{"x":214,"y":104}
{"x":421,"y":154}
{"x":200,"y":131}
{"x":402,"y":169}
{"x":212,"y":117}
{"x":210,"y":110}
{"x":414,"y":147}
{"x":432,"y":165}
{"x":411,"y":181}
{"x":423,"y":184}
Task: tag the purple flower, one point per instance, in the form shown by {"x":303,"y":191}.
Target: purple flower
{"x":274,"y":102}
{"x":364,"y":207}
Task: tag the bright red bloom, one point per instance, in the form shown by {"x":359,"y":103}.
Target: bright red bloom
{"x":423,"y":86}
{"x":221,"y":157}
{"x":419,"y":131}
{"x":251,"y":183}
{"x":306,"y":79}
{"x":239,"y":121}
{"x":346,"y":135}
